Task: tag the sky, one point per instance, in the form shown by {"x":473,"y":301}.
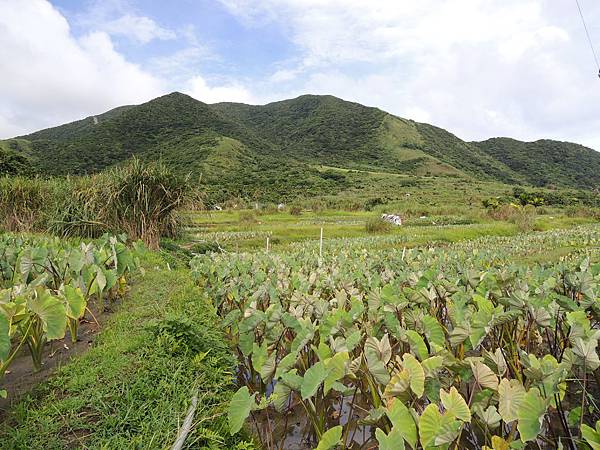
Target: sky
{"x":479,"y":68}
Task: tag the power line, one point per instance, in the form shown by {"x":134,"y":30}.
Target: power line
{"x":587,"y":33}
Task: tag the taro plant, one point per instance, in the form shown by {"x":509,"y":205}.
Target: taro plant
{"x":450,"y":348}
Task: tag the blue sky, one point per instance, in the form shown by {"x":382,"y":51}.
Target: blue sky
{"x":480,"y":68}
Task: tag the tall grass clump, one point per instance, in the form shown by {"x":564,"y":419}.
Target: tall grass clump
{"x":80,"y":208}
{"x":377,"y":225}
{"x":142,"y":199}
{"x":24,"y":203}
{"x":137,"y":198}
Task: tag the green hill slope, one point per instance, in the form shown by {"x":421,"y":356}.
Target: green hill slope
{"x":303,"y":146}
{"x":546,"y":162}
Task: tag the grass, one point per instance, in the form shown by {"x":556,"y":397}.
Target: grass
{"x":132,"y":389}
{"x":283,"y":228}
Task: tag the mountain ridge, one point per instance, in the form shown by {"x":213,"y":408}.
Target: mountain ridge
{"x":240,"y":148}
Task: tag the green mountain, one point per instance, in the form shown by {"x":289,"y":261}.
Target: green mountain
{"x":547,"y":163}
{"x":307,"y":145}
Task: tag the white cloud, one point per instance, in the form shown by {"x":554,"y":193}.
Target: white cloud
{"x":232,"y":92}
{"x":139,"y":28}
{"x":50,"y":77}
{"x":480,"y":68}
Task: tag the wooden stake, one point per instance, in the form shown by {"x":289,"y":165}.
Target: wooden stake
{"x":321,"y":244}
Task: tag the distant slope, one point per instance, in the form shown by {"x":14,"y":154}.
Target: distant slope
{"x":546,"y":162}
{"x":292,"y":147}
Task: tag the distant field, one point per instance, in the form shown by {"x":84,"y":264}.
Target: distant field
{"x":247,"y":230}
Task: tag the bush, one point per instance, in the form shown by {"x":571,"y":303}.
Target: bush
{"x":377,"y":225}
{"x":295,"y":210}
{"x":247,"y":217}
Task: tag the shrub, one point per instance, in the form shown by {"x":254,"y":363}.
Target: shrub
{"x":295,"y":210}
{"x":247,"y":217}
{"x":377,"y":225}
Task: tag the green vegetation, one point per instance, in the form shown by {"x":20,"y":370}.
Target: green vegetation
{"x":300,"y":148}
{"x":387,"y":338}
{"x":133,"y":387}
{"x":137,"y":198}
{"x":547,"y":163}
{"x":46,"y":285}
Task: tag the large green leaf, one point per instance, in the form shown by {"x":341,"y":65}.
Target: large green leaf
{"x":391,"y":441}
{"x":591,"y":436}
{"x":331,"y":438}
{"x":436,"y":429}
{"x":51,"y":311}
{"x":586,"y":350}
{"x":530,"y":415}
{"x":484,"y":376}
{"x":312,"y":379}
{"x":455,"y":404}
{"x":511,"y":394}
{"x":336,"y":366}
{"x":280,"y":396}
{"x":403,"y":421}
{"x":239,"y":409}
{"x":4,"y":337}
{"x":417,"y":344}
{"x":75,"y":302}
{"x":417,"y":374}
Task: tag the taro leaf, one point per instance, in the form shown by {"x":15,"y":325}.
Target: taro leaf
{"x":417,"y":375}
{"x":51,"y":311}
{"x":417,"y":344}
{"x":586,"y":350}
{"x":498,"y":443}
{"x":484,"y":375}
{"x":591,"y":436}
{"x":403,"y":421}
{"x":497,"y":361}
{"x":292,"y":379}
{"x":286,"y":363}
{"x":373,"y":417}
{"x":31,"y":257}
{"x":313,"y":378}
{"x":431,"y":364}
{"x":375,"y":362}
{"x":323,"y":351}
{"x":455,"y":404}
{"x":530,"y":415}
{"x":260,"y":353}
{"x":491,"y":417}
{"x":436,"y":429}
{"x":434,"y":332}
{"x":281,"y":396}
{"x":100,"y":281}
{"x":75,"y":302}
{"x":398,"y":384}
{"x":511,"y":394}
{"x":268,"y":368}
{"x":336,"y":367}
{"x":4,"y":337}
{"x":330,"y":439}
{"x":239,"y":409}
{"x":246,"y":342}
{"x":353,"y":340}
{"x":458,"y":335}
{"x":381,"y":347}
{"x":392,"y":441}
